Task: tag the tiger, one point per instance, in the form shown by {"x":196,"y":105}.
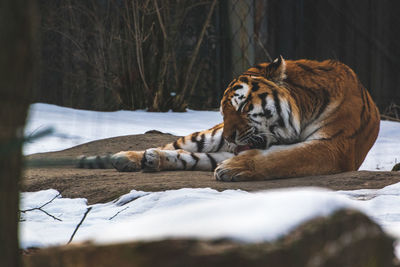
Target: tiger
{"x":285,"y":118}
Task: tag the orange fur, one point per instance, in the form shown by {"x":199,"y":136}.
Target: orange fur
{"x":327,"y":94}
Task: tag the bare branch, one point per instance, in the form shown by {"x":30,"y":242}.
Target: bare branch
{"x":42,"y":206}
{"x":115,"y":215}
{"x":138,"y":39}
{"x":79,"y":224}
{"x":197,"y":48}
{"x":389,"y":118}
{"x":160,"y":19}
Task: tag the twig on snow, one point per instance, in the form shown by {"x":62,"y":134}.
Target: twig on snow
{"x":79,"y":224}
{"x":42,"y":210}
{"x":115,"y":215}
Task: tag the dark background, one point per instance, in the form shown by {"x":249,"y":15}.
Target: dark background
{"x":114,"y":54}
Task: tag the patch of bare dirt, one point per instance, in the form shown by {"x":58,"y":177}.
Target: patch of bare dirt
{"x":102,"y":185}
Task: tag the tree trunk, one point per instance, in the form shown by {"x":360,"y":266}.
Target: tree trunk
{"x":16,"y":61}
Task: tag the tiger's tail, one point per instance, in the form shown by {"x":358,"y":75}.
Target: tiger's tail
{"x":94,"y":162}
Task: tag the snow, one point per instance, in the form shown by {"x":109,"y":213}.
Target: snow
{"x":204,"y":212}
{"x":385,"y":153}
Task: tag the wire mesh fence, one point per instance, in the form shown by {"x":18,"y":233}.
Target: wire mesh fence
{"x":359,"y":33}
{"x":163,"y":55}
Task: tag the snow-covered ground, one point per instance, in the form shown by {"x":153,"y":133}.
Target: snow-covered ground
{"x":204,"y":213}
{"x":248,"y":217}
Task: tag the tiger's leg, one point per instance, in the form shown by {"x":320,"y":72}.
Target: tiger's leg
{"x":158,"y":160}
{"x":208,"y":141}
{"x":302,"y":159}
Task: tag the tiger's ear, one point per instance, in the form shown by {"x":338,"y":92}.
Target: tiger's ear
{"x":276,"y":71}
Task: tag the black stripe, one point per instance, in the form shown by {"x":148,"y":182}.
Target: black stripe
{"x":241,"y":105}
{"x":291,"y":117}
{"x":359,"y":130}
{"x":259,"y":67}
{"x":331,"y":137}
{"x":325,"y":101}
{"x":232,"y":82}
{"x":214,"y":131}
{"x":259,"y":123}
{"x":194,"y":138}
{"x":316,"y":130}
{"x":196,"y":158}
{"x":200,"y":144}
{"x":221,"y":143}
{"x":306,"y":67}
{"x":252,"y":73}
{"x":213,"y":162}
{"x":143,"y":161}
{"x":263,"y":81}
{"x":184,"y":163}
{"x":263,"y":96}
{"x":236,"y":87}
{"x":367,"y":99}
{"x":251,"y":106}
{"x":216,"y":128}
{"x":249,"y":97}
{"x":278,"y":108}
{"x":364,"y":95}
{"x":255,"y":87}
{"x":325,"y":68}
{"x":307,"y":90}
{"x":175,"y":144}
{"x":281,"y":123}
{"x":244,"y":79}
{"x":362,"y":99}
{"x":267,"y":112}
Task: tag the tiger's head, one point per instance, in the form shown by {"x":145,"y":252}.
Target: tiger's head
{"x":257,"y":108}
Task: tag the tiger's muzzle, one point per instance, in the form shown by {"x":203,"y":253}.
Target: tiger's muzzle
{"x":237,"y":131}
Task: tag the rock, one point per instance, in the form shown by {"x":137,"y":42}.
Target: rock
{"x":154,"y":132}
{"x":396,"y":167}
{"x":346,"y":238}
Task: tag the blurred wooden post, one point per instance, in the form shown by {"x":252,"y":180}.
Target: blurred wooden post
{"x":16,"y":65}
{"x":241,"y":20}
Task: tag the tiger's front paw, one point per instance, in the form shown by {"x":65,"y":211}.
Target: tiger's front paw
{"x":127,"y":161}
{"x":231,"y":170}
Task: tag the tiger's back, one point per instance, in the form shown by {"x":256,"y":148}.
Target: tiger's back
{"x":351,"y":114}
